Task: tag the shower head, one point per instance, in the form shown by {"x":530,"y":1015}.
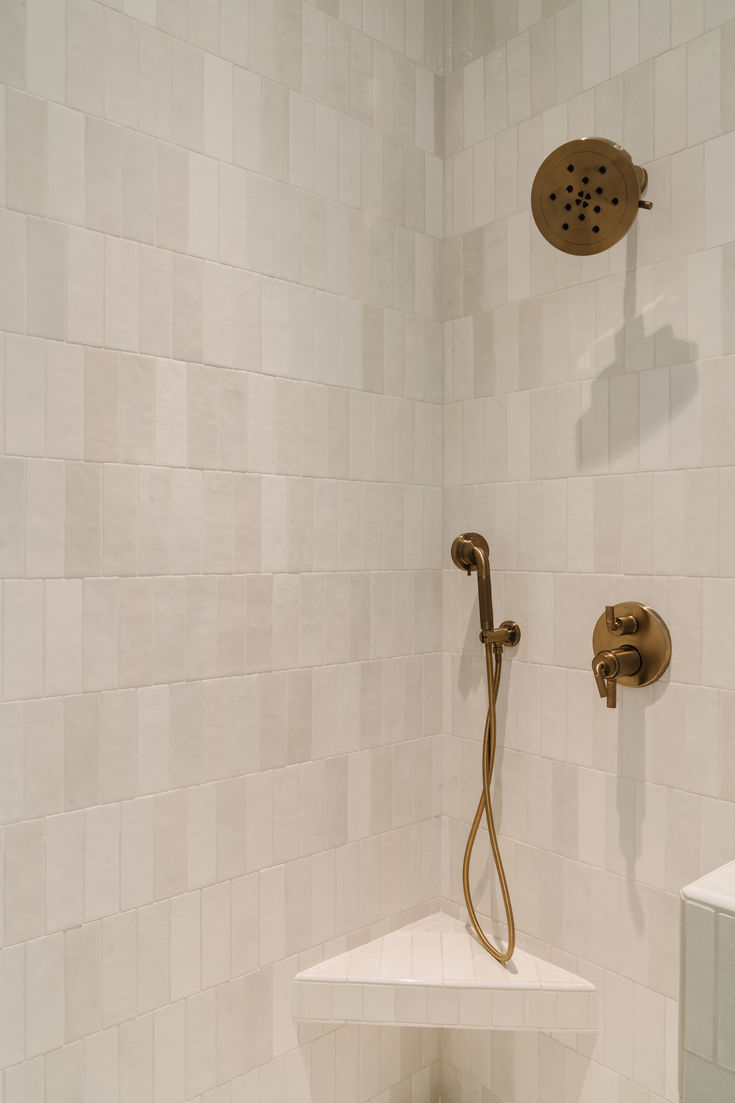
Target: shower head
{"x":470,"y":552}
{"x":586,"y":195}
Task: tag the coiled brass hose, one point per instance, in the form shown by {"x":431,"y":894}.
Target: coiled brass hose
{"x":485,"y":807}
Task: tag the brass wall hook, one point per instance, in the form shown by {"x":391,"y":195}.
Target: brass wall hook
{"x":642,"y":659}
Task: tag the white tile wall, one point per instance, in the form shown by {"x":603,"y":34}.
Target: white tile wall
{"x":587,"y":433}
{"x":220,"y":377}
{"x":225,"y":307}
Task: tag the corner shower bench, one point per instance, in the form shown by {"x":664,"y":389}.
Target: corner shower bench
{"x":435,"y":973}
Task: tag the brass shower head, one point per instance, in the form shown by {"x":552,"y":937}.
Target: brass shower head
{"x":586,"y":195}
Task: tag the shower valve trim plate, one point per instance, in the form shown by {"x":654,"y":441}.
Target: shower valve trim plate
{"x":632,"y":647}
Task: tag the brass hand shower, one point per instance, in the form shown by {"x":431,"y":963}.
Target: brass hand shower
{"x":470,"y":552}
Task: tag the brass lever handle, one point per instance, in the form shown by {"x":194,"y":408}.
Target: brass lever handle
{"x":602,"y":674}
{"x":619,"y":626}
{"x":607,"y":666}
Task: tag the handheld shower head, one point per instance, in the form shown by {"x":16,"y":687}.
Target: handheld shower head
{"x":470,"y":552}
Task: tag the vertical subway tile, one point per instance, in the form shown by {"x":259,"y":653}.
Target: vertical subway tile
{"x":13,"y":54}
{"x":138,"y":188}
{"x":27,"y":139}
{"x":24,"y":882}
{"x":25,"y":380}
{"x":43,"y":750}
{"x":101,"y":405}
{"x":12,"y":1032}
{"x":85,"y":287}
{"x":157,"y":289}
{"x":23,"y":639}
{"x":45,"y":1012}
{"x":46,"y":279}
{"x":13,"y":270}
{"x":188,"y":96}
{"x":155,"y":95}
{"x":85,"y":54}
{"x":703,"y":86}
{"x":122,"y":78}
{"x":101,"y":861}
{"x":83,"y":968}
{"x":103,"y":184}
{"x":172,"y":198}
{"x":136,"y":1060}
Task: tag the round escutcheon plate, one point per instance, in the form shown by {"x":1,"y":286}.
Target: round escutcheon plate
{"x":651,"y":640}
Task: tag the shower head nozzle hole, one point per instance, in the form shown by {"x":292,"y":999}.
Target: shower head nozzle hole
{"x":595,"y":229}
{"x":569,"y":187}
{"x":615,"y":202}
{"x":570,"y":168}
{"x":585,"y":179}
{"x":552,"y":196}
{"x":602,"y":170}
{"x":565,"y":226}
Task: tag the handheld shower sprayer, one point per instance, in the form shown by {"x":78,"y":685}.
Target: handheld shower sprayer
{"x":470,"y":552}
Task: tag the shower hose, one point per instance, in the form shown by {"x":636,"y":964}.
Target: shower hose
{"x":485,"y":808}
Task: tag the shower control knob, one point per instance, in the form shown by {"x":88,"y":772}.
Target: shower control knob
{"x":639,"y":663}
{"x":607,"y":666}
{"x":619,"y":626}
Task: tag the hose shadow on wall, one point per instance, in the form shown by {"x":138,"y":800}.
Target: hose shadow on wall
{"x":630,"y":787}
{"x":598,"y":450}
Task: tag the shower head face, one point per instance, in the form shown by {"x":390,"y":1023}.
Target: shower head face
{"x":585,"y":195}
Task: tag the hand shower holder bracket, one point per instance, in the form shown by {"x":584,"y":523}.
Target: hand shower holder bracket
{"x":507,"y":634}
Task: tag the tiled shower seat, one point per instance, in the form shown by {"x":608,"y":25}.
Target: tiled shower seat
{"x":707,"y":1007}
{"x":435,"y":973}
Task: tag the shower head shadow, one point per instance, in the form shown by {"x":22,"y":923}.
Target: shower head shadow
{"x":586,"y":195}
